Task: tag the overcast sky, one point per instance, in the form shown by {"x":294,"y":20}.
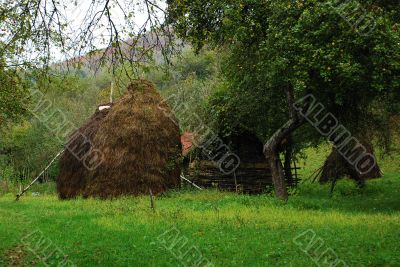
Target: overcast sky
{"x":78,"y":13}
{"x":127,"y":15}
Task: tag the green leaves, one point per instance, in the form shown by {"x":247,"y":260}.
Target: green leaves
{"x":311,"y":45}
{"x":12,"y":97}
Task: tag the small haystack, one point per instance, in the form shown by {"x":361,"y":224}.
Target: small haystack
{"x":337,"y":167}
{"x":140,"y":146}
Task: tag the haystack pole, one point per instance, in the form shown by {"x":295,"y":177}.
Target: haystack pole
{"x":111,"y":91}
{"x":190,"y":182}
{"x":37,"y":178}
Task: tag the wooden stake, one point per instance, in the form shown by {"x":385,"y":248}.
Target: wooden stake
{"x":190,"y":182}
{"x":236,"y":185}
{"x":111,"y":92}
{"x":152,"y":202}
{"x":37,"y":178}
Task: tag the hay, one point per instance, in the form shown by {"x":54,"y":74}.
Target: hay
{"x":141,"y":148}
{"x":336,"y":167}
{"x":71,"y":181}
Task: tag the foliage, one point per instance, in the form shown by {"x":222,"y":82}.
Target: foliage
{"x":29,"y":144}
{"x":306,"y":45}
{"x":35,"y":33}
{"x":12,"y":97}
{"x":188,"y":84}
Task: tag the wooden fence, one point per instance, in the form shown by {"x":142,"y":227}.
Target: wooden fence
{"x":250,"y":178}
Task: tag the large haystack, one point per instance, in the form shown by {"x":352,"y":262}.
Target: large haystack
{"x":140,"y":146}
{"x":72,"y":179}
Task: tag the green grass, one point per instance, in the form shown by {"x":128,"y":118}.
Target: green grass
{"x":362,"y":227}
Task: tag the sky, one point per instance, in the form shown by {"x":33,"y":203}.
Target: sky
{"x":128,"y":16}
{"x":79,"y":13}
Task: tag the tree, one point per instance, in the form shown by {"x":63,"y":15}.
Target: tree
{"x":35,"y":35}
{"x":12,"y":97}
{"x":38,"y":33}
{"x":291,"y":49}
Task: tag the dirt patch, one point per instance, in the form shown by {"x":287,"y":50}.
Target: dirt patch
{"x":15,"y":256}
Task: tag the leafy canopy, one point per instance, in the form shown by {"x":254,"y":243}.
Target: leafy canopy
{"x":306,"y":45}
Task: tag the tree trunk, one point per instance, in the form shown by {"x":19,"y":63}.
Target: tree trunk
{"x":278,"y":176}
{"x":272,"y":147}
{"x":288,"y":162}
{"x":271,"y":152}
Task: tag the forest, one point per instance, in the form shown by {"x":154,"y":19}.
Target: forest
{"x":199,"y":133}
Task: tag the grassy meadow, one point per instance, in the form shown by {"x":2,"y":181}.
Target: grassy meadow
{"x":360,"y":227}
